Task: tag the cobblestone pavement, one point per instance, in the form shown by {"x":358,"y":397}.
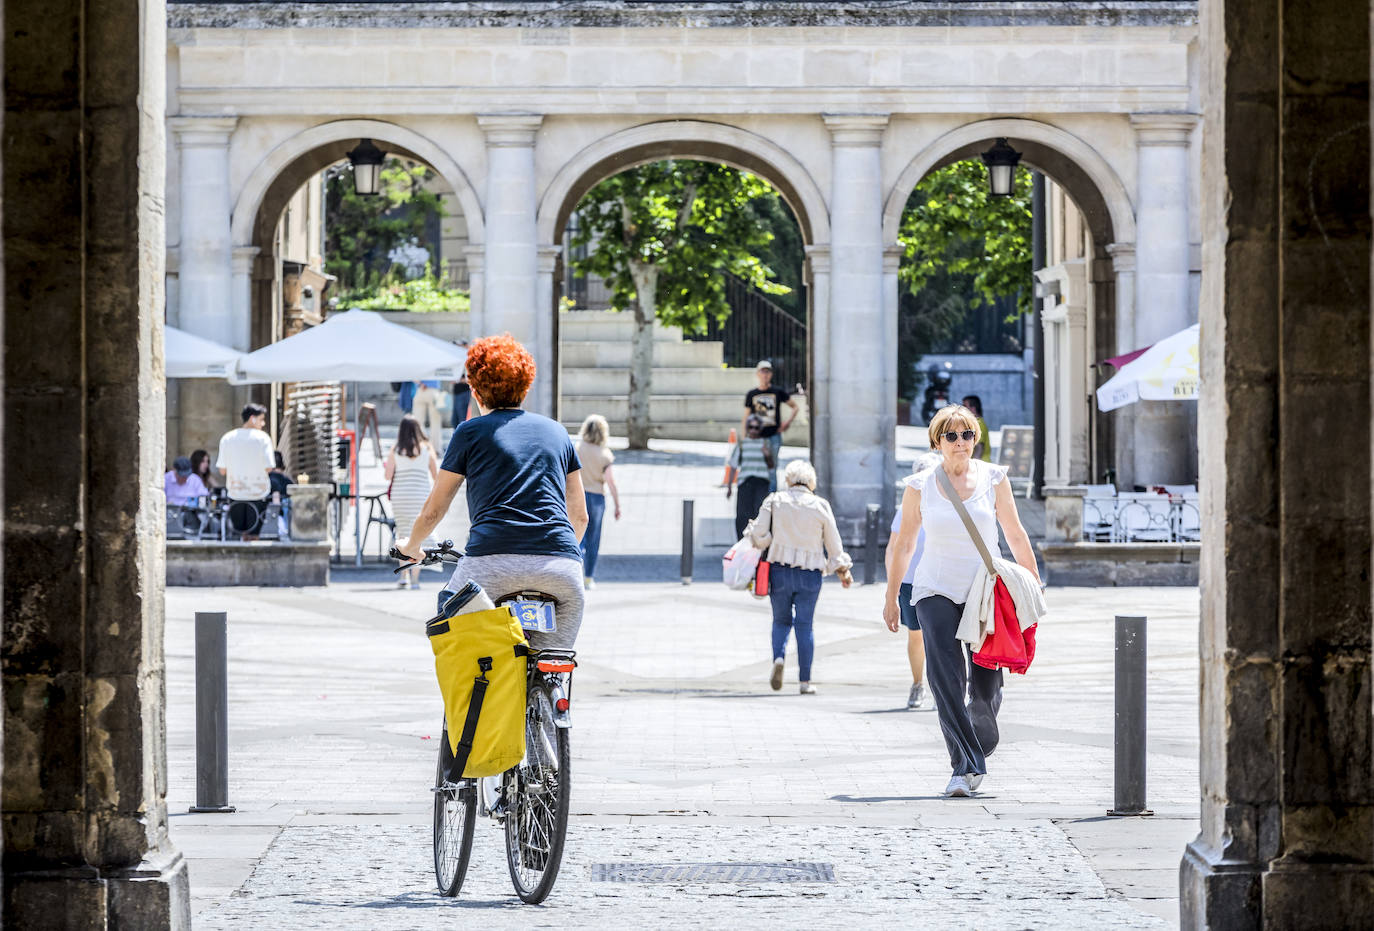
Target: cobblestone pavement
{"x":682,"y":754}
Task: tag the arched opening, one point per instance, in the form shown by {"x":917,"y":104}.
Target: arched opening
{"x":1080,"y":303}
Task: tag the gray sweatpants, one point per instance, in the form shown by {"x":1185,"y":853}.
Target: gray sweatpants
{"x":506,"y":573}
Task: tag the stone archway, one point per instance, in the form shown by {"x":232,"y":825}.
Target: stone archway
{"x":1108,"y":211}
{"x":684,"y":139}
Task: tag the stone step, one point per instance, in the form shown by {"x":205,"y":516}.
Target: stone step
{"x":668,"y":408}
{"x":616,"y":381}
{"x":710,"y":430}
{"x":616,"y":354}
{"x":597,"y":325}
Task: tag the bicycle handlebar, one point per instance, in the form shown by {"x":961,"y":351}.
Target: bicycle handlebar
{"x":444,"y":552}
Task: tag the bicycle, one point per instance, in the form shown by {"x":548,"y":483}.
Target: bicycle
{"x":530,"y":800}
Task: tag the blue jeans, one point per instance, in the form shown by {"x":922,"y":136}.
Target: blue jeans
{"x":591,"y":540}
{"x":793,"y":593}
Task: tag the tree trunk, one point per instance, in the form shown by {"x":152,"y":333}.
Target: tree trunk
{"x":642,"y":353}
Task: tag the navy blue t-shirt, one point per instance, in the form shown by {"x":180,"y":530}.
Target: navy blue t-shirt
{"x":516,"y":464}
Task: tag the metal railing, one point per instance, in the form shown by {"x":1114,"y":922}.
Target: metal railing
{"x":1142,"y":518}
{"x":759,"y":329}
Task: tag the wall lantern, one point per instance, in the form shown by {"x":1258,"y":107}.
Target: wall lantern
{"x":1001,"y":160}
{"x":367,"y":161}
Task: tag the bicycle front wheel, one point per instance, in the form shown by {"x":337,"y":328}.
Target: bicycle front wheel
{"x":537,"y":822}
{"x":455,"y":819}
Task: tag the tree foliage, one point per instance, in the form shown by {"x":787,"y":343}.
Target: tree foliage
{"x":692,"y":222}
{"x":361,"y":232}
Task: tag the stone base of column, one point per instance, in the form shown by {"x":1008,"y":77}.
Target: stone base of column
{"x":1317,"y":895}
{"x":1216,"y":894}
{"x":155,"y":895}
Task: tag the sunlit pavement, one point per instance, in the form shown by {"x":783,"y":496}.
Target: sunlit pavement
{"x":682,"y":754}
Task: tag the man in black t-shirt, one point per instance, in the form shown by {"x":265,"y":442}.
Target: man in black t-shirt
{"x":765,"y":402}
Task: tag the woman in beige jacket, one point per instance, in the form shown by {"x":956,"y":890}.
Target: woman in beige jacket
{"x":797,"y":528}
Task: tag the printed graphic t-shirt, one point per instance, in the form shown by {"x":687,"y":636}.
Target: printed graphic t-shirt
{"x":516,"y":465}
{"x":766,"y":402}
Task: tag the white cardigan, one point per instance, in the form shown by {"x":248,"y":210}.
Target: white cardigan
{"x":977,"y":621}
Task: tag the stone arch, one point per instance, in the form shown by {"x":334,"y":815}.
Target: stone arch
{"x":716,"y":142}
{"x":292,"y":162}
{"x":1077,"y":166}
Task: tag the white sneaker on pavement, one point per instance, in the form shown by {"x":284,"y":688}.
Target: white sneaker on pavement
{"x":917,"y":696}
{"x":775,"y":680}
{"x":808,"y":689}
{"x":958,"y":787}
{"x":975,"y":780}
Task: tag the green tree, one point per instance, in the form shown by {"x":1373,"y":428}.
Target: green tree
{"x":360,"y":232}
{"x":664,"y":236}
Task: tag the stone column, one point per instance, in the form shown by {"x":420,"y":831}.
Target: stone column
{"x":477,"y":263}
{"x":85,"y":774}
{"x":1161,"y":431}
{"x":817,"y":270}
{"x":206,"y":249}
{"x":1287,"y":837}
{"x":511,"y":301}
{"x":1123,"y":265}
{"x":241,"y":305}
{"x":544,"y":394}
{"x":892,"y":297}
{"x":862,"y":441}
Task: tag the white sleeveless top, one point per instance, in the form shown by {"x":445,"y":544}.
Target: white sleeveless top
{"x":950,"y":561}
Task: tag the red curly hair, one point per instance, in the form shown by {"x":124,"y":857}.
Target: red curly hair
{"x":500,"y":371}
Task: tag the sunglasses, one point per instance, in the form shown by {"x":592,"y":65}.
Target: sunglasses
{"x":967,"y":436}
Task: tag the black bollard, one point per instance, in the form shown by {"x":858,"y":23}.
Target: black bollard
{"x":871,"y":545}
{"x":212,"y":714}
{"x":687,"y":509}
{"x":1130,"y":717}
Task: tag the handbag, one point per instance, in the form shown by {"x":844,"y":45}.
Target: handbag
{"x":761,"y":579}
{"x":1007,"y":646}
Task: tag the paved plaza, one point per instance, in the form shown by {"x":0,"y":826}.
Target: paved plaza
{"x":683,"y":755}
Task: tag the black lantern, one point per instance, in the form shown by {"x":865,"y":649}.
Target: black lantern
{"x":367,"y":161}
{"x":1001,"y":160}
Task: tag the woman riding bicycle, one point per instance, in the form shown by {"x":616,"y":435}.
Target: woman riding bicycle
{"x":525,"y":495}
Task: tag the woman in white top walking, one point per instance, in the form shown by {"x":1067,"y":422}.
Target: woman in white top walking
{"x":945,"y":575}
{"x":411,"y":467}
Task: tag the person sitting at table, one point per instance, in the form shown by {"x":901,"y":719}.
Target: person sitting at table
{"x":181,"y":485}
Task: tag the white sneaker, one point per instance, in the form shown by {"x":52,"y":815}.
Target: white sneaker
{"x":775,"y":679}
{"x":958,"y":787}
{"x":588,"y":583}
{"x":808,"y":689}
{"x":975,"y":780}
{"x":917,"y":696}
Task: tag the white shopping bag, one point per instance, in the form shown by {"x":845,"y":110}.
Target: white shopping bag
{"x":739,"y":564}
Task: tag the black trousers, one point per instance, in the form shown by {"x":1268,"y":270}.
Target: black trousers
{"x":748,"y":499}
{"x":969,"y":726}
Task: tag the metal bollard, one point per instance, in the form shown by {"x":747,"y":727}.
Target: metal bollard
{"x":1130,"y":717}
{"x":871,"y":545}
{"x":212,"y":714}
{"x":688,"y":507}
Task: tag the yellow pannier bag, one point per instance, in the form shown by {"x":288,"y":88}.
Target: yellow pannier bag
{"x":479,"y":659}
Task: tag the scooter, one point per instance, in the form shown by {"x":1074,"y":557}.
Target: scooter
{"x":937,"y":389}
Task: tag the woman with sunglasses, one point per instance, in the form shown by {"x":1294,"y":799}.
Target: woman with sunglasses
{"x":967,"y":699}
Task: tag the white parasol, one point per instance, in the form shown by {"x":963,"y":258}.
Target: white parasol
{"x":191,"y":356}
{"x":1167,"y":371}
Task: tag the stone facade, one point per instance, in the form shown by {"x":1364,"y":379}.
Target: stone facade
{"x":84,"y":778}
{"x":523,"y":107}
{"x":1287,"y":835}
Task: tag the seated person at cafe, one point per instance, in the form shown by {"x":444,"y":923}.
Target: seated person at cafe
{"x":245,"y":460}
{"x":181,"y":485}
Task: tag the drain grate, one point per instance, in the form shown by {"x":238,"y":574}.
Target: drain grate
{"x":713,"y":873}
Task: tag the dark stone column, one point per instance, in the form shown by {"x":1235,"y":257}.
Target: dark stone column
{"x":84,"y":778}
{"x":1287,"y":835}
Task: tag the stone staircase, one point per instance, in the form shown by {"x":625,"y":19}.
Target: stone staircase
{"x":694,"y":397}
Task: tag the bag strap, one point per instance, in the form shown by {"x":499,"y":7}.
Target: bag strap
{"x":479,"y":693}
{"x":958,"y":503}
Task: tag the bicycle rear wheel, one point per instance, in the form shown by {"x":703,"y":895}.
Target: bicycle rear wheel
{"x":537,"y":822}
{"x":455,"y":819}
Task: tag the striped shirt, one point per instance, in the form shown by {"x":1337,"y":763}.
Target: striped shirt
{"x":747,"y":456}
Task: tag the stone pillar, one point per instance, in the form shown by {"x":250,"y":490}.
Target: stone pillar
{"x":1162,"y":434}
{"x":817,"y":270}
{"x":862,"y":442}
{"x":1123,"y":265}
{"x":892,"y":260}
{"x":477,"y":263}
{"x":241,"y":304}
{"x":206,"y":251}
{"x":1287,"y":774}
{"x":84,"y":781}
{"x":544,"y":393}
{"x":511,"y":300}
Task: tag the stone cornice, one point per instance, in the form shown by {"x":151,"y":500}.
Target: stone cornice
{"x":667,"y":13}
{"x":856,"y":129}
{"x":509,"y":129}
{"x":202,"y":131}
{"x":1163,"y":128}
